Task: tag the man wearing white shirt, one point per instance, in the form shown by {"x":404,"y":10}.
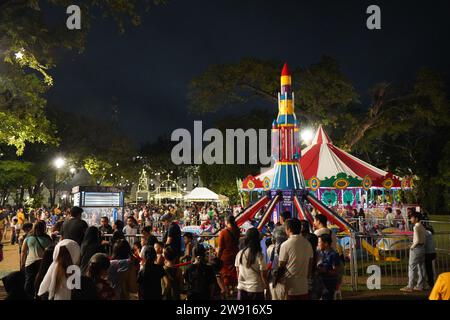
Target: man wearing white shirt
{"x":390,"y":216}
{"x":416,"y":256}
{"x":296,"y":260}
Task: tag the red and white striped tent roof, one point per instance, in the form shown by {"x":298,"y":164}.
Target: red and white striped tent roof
{"x":324,"y":160}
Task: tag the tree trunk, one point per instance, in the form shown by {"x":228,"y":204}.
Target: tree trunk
{"x":21,"y":195}
{"x":374,"y":114}
{"x":4,"y":194}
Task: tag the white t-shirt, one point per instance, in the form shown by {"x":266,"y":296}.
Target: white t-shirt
{"x":322,"y":231}
{"x":390,"y":219}
{"x":250,"y":278}
{"x":204,"y":217}
{"x":296,"y":252}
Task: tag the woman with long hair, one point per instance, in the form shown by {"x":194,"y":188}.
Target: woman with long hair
{"x":150,"y":276}
{"x":33,"y":249}
{"x":199,"y":276}
{"x":251,"y":268}
{"x":97,"y":271}
{"x":123,"y":272}
{"x":91,"y":245}
{"x":66,"y":254}
{"x":47,"y":260}
{"x":227,"y":251}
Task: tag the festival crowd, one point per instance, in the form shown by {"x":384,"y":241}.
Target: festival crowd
{"x":289,"y":260}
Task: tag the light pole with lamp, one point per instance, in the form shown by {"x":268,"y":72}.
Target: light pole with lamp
{"x":58,"y":163}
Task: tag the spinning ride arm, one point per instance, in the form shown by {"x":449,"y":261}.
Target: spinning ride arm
{"x":251,"y":211}
{"x":268,"y":212}
{"x":330,"y":214}
{"x":303,"y":213}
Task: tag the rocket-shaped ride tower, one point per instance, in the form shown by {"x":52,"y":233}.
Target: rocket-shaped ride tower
{"x":288,"y":190}
{"x":286,"y":149}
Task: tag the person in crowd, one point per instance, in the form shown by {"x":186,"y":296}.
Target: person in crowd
{"x":54,"y":284}
{"x":220,"y":289}
{"x":320,"y":227}
{"x":150,"y":277}
{"x":399,"y":222}
{"x":277,"y":288}
{"x":228,"y":248}
{"x":329,"y":267}
{"x":91,"y":245}
{"x":389,"y":216}
{"x":159,"y":248}
{"x":314,"y":285}
{"x":97,"y":271}
{"x":430,"y":255}
{"x":308,"y":235}
{"x":136,"y":254}
{"x":172,"y":236}
{"x":348,"y":215}
{"x":130,"y":231}
{"x":74,"y":227}
{"x":14,"y":286}
{"x":26,"y":228}
{"x":441,"y":289}
{"x":122,"y":272}
{"x":203,"y":216}
{"x":15,"y":231}
{"x":3,"y":222}
{"x":117,"y":232}
{"x":361,"y":214}
{"x":56,"y":231}
{"x":188,"y":246}
{"x":33,"y":249}
{"x":251,"y":268}
{"x":173,"y":278}
{"x":199,"y":276}
{"x":416,"y":256}
{"x":46,"y":261}
{"x":295,"y":262}
{"x":146,"y":219}
{"x":148,"y":239}
{"x":105,"y":228}
{"x":21,"y":217}
{"x":156,"y":216}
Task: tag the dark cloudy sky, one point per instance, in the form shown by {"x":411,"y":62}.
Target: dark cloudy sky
{"x":148,"y":69}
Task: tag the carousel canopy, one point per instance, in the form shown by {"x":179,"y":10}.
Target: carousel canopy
{"x":324,"y":160}
{"x":201,"y":194}
{"x":326,"y":164}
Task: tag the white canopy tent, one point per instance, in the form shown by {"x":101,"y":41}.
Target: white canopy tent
{"x":201,"y":194}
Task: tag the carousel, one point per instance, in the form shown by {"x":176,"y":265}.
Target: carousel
{"x":337,"y":178}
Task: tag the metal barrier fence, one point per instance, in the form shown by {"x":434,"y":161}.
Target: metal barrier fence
{"x":389,"y":252}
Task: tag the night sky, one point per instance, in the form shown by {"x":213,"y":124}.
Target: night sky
{"x":148,"y":69}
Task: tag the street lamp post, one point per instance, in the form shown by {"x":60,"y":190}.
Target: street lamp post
{"x":58,"y":163}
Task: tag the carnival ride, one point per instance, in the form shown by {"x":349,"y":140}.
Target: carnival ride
{"x":287,"y":189}
{"x":337,"y":177}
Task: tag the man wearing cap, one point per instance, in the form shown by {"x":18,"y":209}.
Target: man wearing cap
{"x":172,"y":237}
